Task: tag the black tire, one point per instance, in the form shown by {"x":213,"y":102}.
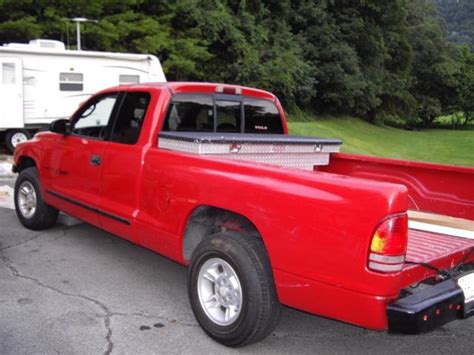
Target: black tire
{"x":44,"y":216}
{"x":260,"y":308}
{"x":10,"y":138}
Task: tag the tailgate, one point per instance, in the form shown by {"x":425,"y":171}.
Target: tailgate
{"x":428,"y":306}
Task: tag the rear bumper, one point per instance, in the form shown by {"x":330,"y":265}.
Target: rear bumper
{"x":428,"y":309}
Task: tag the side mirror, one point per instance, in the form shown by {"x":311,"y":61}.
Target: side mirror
{"x":61,"y":126}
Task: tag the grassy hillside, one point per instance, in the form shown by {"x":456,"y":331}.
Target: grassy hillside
{"x":434,"y":145}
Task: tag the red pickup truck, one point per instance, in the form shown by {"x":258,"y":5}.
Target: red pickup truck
{"x":207,"y":175}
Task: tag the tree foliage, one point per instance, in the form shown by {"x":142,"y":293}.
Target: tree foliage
{"x":369,"y":58}
{"x":459,"y":17}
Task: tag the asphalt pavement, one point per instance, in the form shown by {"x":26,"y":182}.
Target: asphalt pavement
{"x":80,"y":290}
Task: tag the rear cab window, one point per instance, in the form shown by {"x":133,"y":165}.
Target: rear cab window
{"x":222,"y":113}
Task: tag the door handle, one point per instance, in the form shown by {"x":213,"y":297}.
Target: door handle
{"x":95,"y":160}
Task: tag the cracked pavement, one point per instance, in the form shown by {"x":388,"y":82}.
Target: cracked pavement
{"x":81,"y":290}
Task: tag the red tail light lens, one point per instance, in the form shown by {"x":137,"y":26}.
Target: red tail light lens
{"x":389,"y":245}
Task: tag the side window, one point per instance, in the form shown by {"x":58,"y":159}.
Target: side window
{"x":95,"y":117}
{"x":190,"y":113}
{"x":228,"y":116}
{"x":8,"y":74}
{"x":128,"y":79}
{"x":130,"y":118}
{"x":71,"y":81}
{"x":262,"y":116}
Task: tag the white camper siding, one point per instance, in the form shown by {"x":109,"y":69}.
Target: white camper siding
{"x":11,"y":92}
{"x":44,"y":101}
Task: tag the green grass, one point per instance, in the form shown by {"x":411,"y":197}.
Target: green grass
{"x":360,"y":137}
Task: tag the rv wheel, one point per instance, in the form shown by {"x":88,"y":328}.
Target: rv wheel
{"x":15,"y":136}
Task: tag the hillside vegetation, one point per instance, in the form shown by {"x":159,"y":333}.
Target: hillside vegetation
{"x":375,"y":59}
{"x":459,"y":17}
{"x":360,"y":137}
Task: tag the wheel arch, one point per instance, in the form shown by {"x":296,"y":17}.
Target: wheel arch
{"x":206,"y":220}
{"x":23,"y":162}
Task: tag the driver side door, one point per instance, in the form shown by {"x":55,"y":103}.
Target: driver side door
{"x":73,"y":163}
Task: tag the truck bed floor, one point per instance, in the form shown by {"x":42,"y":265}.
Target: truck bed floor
{"x":427,"y":246}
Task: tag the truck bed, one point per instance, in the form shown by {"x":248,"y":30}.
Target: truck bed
{"x":440,"y":197}
{"x":427,"y":247}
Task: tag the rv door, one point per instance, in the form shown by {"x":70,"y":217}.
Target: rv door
{"x":11,"y":93}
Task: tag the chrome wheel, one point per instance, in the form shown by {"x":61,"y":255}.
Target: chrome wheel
{"x":17,"y":138}
{"x":220,"y":292}
{"x":27,"y":199}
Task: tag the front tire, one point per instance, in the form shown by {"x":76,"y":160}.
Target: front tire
{"x":30,"y":207}
{"x":231,"y":289}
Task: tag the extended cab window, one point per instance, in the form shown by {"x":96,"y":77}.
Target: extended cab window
{"x":262,"y":116}
{"x":221,"y":113}
{"x":94,"y":119}
{"x":130,"y":118}
{"x":190,"y":113}
{"x":228,"y":116}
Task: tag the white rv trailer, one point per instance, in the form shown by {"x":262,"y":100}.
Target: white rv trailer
{"x":42,"y":81}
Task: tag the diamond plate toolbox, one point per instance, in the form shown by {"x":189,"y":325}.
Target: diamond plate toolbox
{"x":282,"y":150}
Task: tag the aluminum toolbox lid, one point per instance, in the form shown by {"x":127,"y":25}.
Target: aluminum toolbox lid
{"x":253,"y":138}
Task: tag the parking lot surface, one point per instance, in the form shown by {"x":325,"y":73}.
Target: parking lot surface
{"x":81,"y":290}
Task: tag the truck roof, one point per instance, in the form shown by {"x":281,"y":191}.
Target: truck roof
{"x":198,"y":87}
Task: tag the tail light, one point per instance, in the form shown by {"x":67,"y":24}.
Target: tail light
{"x":389,"y":245}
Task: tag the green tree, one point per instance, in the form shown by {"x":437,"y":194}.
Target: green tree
{"x":434,"y":67}
{"x":464,"y":99}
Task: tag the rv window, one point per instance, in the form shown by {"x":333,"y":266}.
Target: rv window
{"x":190,"y":113}
{"x":130,"y":118}
{"x":71,"y":81}
{"x":128,"y":79}
{"x":8,"y":73}
{"x":95,"y":117}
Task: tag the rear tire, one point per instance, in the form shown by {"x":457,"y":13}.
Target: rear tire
{"x":231,"y":289}
{"x":30,"y":207}
{"x":14,"y":137}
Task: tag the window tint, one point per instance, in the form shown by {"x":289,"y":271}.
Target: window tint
{"x":130,"y":118}
{"x":190,"y":113}
{"x":71,"y":81}
{"x":128,"y":79}
{"x":95,"y":117}
{"x":262,"y":116}
{"x":228,"y":116}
